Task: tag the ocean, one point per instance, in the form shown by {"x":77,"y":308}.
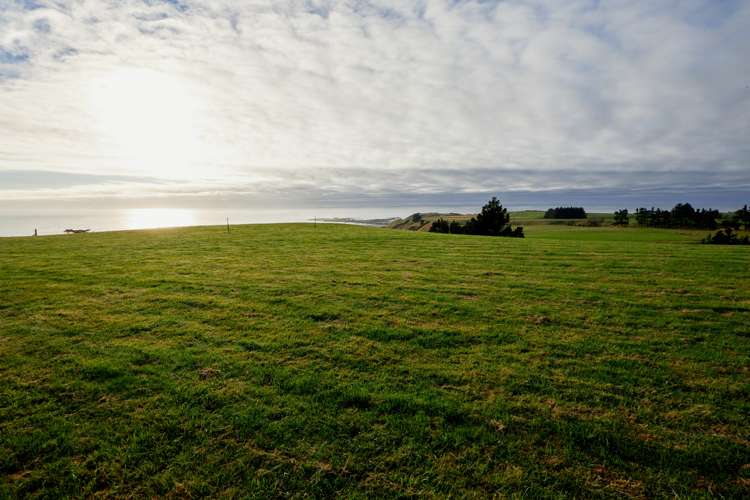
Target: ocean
{"x":18,"y":222}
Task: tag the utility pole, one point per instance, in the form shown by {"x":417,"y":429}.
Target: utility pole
{"x":227,"y":225}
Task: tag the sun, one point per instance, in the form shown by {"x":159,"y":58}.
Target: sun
{"x":150,"y":122}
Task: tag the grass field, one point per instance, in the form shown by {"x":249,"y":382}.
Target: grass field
{"x":287,"y":360}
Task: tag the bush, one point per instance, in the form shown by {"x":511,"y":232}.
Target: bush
{"x":726,"y":236}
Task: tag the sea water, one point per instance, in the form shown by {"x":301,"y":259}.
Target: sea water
{"x":23,"y":222}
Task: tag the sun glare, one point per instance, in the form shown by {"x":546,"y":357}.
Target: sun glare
{"x":150,"y":120}
{"x":145,"y":218}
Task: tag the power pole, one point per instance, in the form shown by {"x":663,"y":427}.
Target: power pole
{"x":227,"y":225}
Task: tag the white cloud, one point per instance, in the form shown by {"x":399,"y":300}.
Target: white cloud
{"x":216,"y":92}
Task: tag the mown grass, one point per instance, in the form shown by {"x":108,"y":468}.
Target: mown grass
{"x":287,"y":360}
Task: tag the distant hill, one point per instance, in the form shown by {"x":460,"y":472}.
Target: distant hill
{"x":363,"y":222}
{"x":423,"y":221}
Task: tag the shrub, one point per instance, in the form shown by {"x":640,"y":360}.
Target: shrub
{"x":726,"y":236}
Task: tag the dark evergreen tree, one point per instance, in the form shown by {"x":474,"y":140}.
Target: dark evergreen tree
{"x":455,"y":227}
{"x":683,"y":215}
{"x":621,"y":217}
{"x":493,"y":220}
{"x":706,"y":218}
{"x":643,"y":216}
{"x":743,"y":217}
{"x":661,"y":218}
{"x":439,"y":226}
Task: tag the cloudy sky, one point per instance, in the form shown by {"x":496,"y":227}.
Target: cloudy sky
{"x":374,"y":101}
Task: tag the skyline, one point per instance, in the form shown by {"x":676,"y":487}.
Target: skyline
{"x":333,"y":103}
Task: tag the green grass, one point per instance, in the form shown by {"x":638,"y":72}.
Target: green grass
{"x":283,"y":360}
{"x":623,"y":235}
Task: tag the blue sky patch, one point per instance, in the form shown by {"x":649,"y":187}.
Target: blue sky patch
{"x":30,"y":4}
{"x":42,"y":26}
{"x":13,"y":56}
{"x":179,"y":5}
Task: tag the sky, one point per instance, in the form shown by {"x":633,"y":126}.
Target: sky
{"x":374,"y":102}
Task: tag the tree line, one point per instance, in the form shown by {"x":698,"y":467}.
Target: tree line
{"x":493,"y":220}
{"x":565,"y":213}
{"x":683,"y":215}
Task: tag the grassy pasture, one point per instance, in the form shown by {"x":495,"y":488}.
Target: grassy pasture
{"x":287,"y":360}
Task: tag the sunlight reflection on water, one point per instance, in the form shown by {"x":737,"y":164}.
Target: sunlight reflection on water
{"x":144,"y":218}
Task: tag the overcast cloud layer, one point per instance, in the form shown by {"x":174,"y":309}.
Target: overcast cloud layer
{"x":218,"y":98}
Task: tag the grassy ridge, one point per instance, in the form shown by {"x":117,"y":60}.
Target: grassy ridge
{"x":288,"y":360}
